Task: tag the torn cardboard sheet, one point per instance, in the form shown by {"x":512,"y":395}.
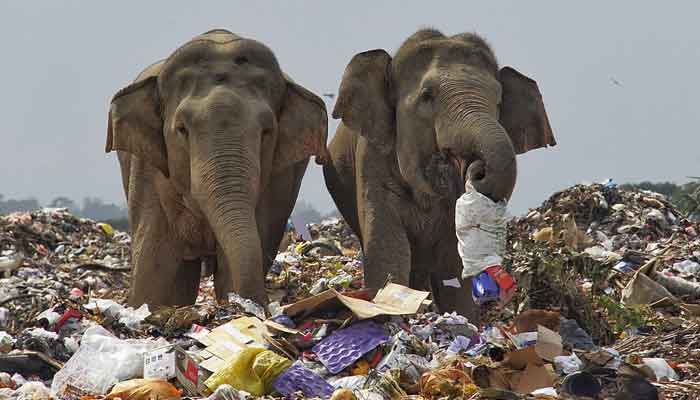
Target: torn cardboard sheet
{"x":393,"y":299}
{"x":548,"y":346}
{"x":228,"y":339}
{"x":643,"y":290}
{"x":534,"y":377}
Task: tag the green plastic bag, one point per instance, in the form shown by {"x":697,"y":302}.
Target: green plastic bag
{"x":252,"y":370}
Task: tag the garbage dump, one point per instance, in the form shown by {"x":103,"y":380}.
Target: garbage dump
{"x":606,"y":306}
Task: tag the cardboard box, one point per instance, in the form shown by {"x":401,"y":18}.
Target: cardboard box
{"x":159,"y":363}
{"x":222,"y":343}
{"x":189,"y":373}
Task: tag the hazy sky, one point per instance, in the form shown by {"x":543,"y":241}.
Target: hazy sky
{"x":63,"y":60}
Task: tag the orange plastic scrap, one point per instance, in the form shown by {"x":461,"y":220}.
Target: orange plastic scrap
{"x":144,"y":389}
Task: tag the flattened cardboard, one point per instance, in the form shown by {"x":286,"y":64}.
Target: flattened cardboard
{"x":534,"y":377}
{"x":393,"y":299}
{"x":519,"y":359}
{"x":230,"y":338}
{"x":548,"y":346}
{"x":548,"y":343}
{"x":325,"y":299}
{"x":213,"y":364}
{"x":280,"y":328}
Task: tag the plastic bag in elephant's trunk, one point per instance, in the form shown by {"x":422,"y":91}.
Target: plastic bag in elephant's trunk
{"x":481,"y":233}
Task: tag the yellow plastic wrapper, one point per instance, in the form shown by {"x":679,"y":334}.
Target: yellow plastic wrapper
{"x":252,"y":370}
{"x":300,"y":247}
{"x":144,"y":389}
{"x":446,"y":382}
{"x":106,"y":228}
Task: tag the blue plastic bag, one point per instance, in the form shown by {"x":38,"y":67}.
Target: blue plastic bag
{"x":484,"y":288}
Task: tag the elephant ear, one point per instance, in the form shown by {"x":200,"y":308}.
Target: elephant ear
{"x":303,"y":128}
{"x":135,"y":125}
{"x":364,"y":102}
{"x":522,"y":112}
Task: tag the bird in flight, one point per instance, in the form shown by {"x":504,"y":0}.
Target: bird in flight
{"x":329,"y":95}
{"x":615,"y":81}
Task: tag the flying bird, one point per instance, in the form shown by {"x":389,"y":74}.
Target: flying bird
{"x":329,"y":95}
{"x":615,"y":81}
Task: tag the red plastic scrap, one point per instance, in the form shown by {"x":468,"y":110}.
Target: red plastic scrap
{"x":376,"y":358}
{"x":70,"y":313}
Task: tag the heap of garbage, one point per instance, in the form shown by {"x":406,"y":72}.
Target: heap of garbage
{"x":50,"y":256}
{"x":606,"y":307}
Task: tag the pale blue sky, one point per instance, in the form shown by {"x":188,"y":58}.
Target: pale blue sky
{"x":63,"y":60}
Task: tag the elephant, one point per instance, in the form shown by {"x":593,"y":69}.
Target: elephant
{"x":414,"y":129}
{"x":213,"y":142}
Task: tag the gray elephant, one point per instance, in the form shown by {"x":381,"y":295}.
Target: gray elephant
{"x":213,"y":143}
{"x":414,"y":129}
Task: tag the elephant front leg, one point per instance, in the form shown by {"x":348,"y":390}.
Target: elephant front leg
{"x":161,"y":276}
{"x":450,"y":291}
{"x":387,"y":250}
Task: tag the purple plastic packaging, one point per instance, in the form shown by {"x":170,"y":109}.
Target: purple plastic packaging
{"x":345,"y":346}
{"x":299,"y":378}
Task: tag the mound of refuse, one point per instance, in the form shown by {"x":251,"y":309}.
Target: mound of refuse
{"x":49,"y":255}
{"x":606,"y":306}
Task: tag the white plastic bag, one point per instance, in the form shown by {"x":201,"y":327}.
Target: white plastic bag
{"x":33,"y":391}
{"x":661,"y":368}
{"x":101,"y":361}
{"x":568,"y":364}
{"x":128,"y":316}
{"x":481,"y":231}
{"x":227,"y":392}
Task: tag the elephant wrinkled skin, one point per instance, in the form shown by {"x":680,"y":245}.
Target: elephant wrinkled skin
{"x":414,"y":129}
{"x":213,"y":143}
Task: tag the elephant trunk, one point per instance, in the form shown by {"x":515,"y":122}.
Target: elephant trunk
{"x":493,"y":169}
{"x":472,"y":133}
{"x":226,"y":186}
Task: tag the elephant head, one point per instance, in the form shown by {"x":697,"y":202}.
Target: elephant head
{"x":218,"y":118}
{"x":447,"y":111}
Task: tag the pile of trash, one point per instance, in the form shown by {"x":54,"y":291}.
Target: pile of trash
{"x":50,"y":256}
{"x":602,"y":310}
{"x":623,"y":265}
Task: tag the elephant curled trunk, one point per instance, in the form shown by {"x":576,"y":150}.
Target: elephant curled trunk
{"x":493,"y":169}
{"x":469,"y":130}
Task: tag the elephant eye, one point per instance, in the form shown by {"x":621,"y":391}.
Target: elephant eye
{"x":426,"y":96}
{"x":181,"y":130}
{"x":240,"y":60}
